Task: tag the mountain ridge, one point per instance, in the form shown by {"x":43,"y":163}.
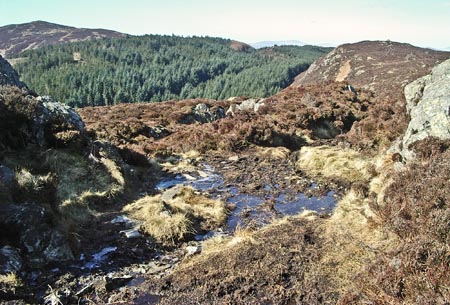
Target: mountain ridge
{"x":15,"y":38}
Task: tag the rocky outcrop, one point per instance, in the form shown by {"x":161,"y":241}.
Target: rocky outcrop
{"x":382,"y":68}
{"x":203,"y":113}
{"x":252,"y":105}
{"x":28,"y":229}
{"x":428,"y":104}
{"x":8,"y":76}
{"x":40,"y":120}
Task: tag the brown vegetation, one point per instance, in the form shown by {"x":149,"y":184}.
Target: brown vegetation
{"x":384,"y":68}
{"x":272,"y":266}
{"x":287,"y":119}
{"x":414,"y":268}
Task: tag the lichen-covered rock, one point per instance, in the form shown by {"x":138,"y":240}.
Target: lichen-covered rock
{"x":203,"y":113}
{"x":10,"y":260}
{"x":252,"y":105}
{"x":8,"y":76}
{"x":159,"y":132}
{"x":55,"y":111}
{"x":41,"y":120}
{"x":53,"y":118}
{"x":428,"y":104}
{"x":31,"y":228}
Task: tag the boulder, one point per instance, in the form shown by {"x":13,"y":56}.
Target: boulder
{"x":252,"y":105}
{"x":158,"y":132}
{"x":204,"y":113}
{"x":428,"y":104}
{"x":41,"y":120}
{"x":31,"y":228}
{"x":8,"y":76}
{"x":10,"y":260}
{"x":53,"y":117}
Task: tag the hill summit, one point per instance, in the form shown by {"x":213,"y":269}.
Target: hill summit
{"x":16,"y":38}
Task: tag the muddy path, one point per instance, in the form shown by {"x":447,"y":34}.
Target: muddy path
{"x":118,"y":260}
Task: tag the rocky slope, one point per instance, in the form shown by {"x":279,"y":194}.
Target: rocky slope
{"x":8,"y":76}
{"x":16,"y":38}
{"x":384,"y":68}
{"x":51,"y":176}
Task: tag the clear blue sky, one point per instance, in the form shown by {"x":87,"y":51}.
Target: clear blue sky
{"x":420,"y":22}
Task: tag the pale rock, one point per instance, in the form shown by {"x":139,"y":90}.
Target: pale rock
{"x":428,"y":104}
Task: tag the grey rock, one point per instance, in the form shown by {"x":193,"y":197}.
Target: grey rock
{"x":27,"y":119}
{"x":113,"y":283}
{"x":252,"y":105}
{"x":159,"y":132}
{"x":10,"y":259}
{"x":52,"y":115}
{"x":428,"y":104}
{"x":8,"y":76}
{"x":29,"y":225}
{"x":131,"y":233}
{"x":203,"y":113}
{"x":192,"y":250}
{"x":122,"y":219}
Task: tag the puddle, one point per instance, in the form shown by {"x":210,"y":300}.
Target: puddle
{"x":248,"y":208}
{"x":99,"y":257}
{"x":168,"y":183}
{"x":302,"y":202}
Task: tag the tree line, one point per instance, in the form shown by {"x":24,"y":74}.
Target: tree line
{"x":155,"y":68}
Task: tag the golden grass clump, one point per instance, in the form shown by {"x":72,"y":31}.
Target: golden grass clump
{"x":159,"y":221}
{"x":335,"y":162}
{"x":173,"y":219}
{"x":10,"y":282}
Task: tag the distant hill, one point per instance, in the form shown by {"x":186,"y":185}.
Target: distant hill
{"x":382,"y":67}
{"x":16,"y":38}
{"x":157,"y":68}
{"x":266,"y":44}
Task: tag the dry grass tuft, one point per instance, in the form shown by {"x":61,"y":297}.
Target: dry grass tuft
{"x":335,"y":162}
{"x":10,"y":282}
{"x":158,"y":221}
{"x":353,"y":236}
{"x":81,"y":183}
{"x":172,"y":220}
{"x":277,"y":153}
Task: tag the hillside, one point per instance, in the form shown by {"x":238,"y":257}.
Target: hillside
{"x":157,"y":68}
{"x":16,"y":38}
{"x":384,"y":68}
{"x":329,"y":192}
